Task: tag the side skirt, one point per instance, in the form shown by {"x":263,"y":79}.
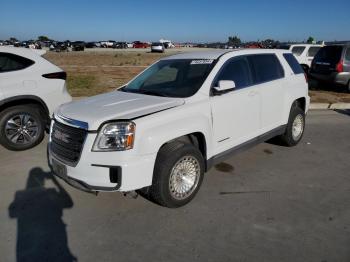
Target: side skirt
{"x":244,"y":146}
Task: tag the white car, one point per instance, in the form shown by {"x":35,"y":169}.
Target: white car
{"x":304,"y":53}
{"x":157,"y":47}
{"x":160,"y":132}
{"x":30,"y":89}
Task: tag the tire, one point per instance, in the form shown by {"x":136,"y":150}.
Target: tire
{"x":167,"y":176}
{"x":295,"y":127}
{"x":24,"y":125}
{"x":348,"y":87}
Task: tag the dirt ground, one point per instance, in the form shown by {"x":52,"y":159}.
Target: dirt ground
{"x":95,"y":72}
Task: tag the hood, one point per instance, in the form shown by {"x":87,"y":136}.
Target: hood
{"x":114,"y":106}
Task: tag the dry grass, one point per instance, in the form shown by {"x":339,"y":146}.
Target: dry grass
{"x":91,"y":73}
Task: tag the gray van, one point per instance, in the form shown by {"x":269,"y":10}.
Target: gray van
{"x":332,"y":65}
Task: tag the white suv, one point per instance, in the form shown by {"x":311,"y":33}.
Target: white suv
{"x":170,"y":124}
{"x":30,"y":89}
{"x":304,"y":53}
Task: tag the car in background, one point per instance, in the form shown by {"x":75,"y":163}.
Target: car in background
{"x":92,"y":45}
{"x":157,"y":47}
{"x":59,"y":47}
{"x":120,"y":45}
{"x":304,"y":53}
{"x":138,"y":44}
{"x":332,"y":65}
{"x":78,"y":46}
{"x":30,"y":89}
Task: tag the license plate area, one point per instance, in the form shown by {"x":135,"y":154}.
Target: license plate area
{"x":59,"y":169}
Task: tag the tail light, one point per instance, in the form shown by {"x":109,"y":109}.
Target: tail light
{"x":57,"y":75}
{"x":339,"y":67}
{"x":306,"y":78}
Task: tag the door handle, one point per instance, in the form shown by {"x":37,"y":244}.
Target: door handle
{"x":252,"y":93}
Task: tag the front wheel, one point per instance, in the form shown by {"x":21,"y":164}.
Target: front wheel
{"x":21,"y":127}
{"x":295,"y":127}
{"x":178,"y":174}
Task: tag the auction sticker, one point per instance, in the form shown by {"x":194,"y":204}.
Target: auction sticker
{"x":202,"y":61}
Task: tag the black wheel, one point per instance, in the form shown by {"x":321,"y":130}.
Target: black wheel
{"x":178,"y":174}
{"x":21,"y":127}
{"x":348,"y":87}
{"x":295,"y":127}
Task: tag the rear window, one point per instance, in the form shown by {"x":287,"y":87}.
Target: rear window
{"x":329,"y":54}
{"x":298,"y":50}
{"x":313,"y":51}
{"x":10,"y":62}
{"x":293,"y":63}
{"x":266,"y":67}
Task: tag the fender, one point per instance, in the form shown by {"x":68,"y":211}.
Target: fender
{"x":28,"y":98}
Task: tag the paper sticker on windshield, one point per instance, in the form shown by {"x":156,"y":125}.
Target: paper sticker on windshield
{"x":202,"y":62}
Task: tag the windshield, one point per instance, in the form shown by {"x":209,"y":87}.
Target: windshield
{"x":171,"y":78}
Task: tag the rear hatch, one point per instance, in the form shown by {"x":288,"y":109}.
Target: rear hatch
{"x":326,"y":60}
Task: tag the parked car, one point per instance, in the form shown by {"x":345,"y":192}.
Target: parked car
{"x":92,"y":45}
{"x":120,"y":45}
{"x":157,"y":47}
{"x":332,"y":65}
{"x":78,"y":46}
{"x":138,"y":44}
{"x":304,"y":53}
{"x":59,"y":47}
{"x":160,"y":132}
{"x":30,"y":89}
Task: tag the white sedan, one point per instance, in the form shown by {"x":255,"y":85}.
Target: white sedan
{"x":30,"y":89}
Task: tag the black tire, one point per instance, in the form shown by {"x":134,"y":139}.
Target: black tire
{"x":34,"y":112}
{"x":348,"y":87}
{"x":287,"y":138}
{"x":168,"y":156}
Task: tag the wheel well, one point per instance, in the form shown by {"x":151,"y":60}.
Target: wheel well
{"x":301,"y":103}
{"x":27,"y":101}
{"x":197,"y":139}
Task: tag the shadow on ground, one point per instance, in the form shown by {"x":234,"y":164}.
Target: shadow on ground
{"x":41,"y":232}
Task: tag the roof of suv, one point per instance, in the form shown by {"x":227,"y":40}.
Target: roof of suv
{"x":215,"y":54}
{"x":26,"y":52}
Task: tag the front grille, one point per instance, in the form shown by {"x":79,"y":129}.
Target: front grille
{"x":67,"y":143}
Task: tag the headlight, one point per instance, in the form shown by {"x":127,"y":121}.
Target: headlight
{"x":116,"y":136}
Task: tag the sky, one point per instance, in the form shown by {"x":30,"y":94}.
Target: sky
{"x":177,"y":20}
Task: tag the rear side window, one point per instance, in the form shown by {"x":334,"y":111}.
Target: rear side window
{"x":266,"y":67}
{"x":347,"y":54}
{"x":237,"y":70}
{"x":329,"y":54}
{"x":10,"y":62}
{"x":298,"y":50}
{"x":293,"y":63}
{"x":313,"y":51}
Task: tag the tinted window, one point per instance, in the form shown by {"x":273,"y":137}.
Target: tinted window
{"x":237,"y":70}
{"x":347,"y":54}
{"x":329,"y":54}
{"x":266,"y":67}
{"x":313,"y":51}
{"x":11,"y":62}
{"x":172,"y":78}
{"x":297,"y":50}
{"x":293,"y":63}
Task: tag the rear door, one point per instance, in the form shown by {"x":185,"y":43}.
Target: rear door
{"x":326,"y":60}
{"x":268,"y":75}
{"x":236,"y":114}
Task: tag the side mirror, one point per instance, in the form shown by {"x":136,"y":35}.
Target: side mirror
{"x":224,"y":86}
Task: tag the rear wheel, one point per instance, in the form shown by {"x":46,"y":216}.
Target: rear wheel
{"x":295,"y":127}
{"x":178,"y":174}
{"x":348,"y":87}
{"x":21,"y":127}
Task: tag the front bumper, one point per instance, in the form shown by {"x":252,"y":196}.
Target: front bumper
{"x":106,"y":171}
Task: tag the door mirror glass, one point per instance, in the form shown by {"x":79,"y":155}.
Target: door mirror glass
{"x":224,"y":86}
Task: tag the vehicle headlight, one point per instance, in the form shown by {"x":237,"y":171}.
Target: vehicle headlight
{"x":116,"y":136}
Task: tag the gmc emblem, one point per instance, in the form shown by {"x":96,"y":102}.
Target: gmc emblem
{"x":61,"y":136}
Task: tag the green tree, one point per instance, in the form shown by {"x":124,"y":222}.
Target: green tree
{"x":43,"y":38}
{"x":234,"y":41}
{"x":13,"y":39}
{"x":310,"y":40}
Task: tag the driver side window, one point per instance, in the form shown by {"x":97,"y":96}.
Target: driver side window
{"x":237,"y":70}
